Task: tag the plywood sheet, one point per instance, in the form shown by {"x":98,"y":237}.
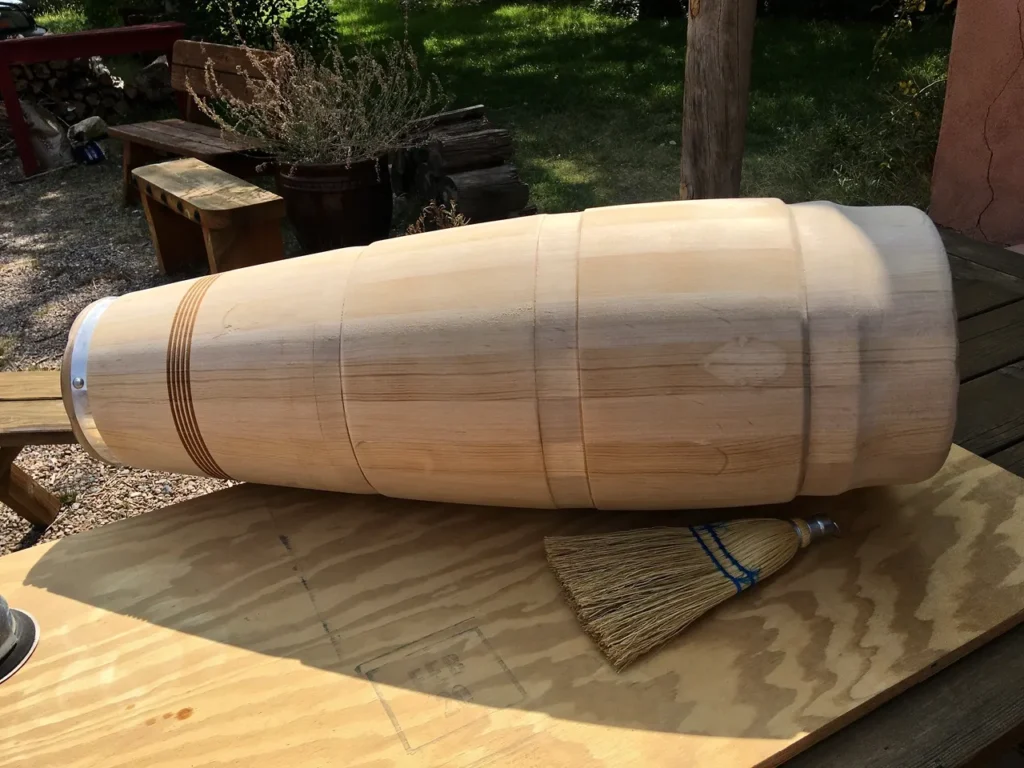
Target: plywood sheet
{"x":293,"y":628}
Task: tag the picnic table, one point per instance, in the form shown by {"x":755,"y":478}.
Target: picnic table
{"x":259,"y":609}
{"x":31,"y":413}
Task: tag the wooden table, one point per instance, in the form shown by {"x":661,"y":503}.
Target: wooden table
{"x":962,"y":713}
{"x":31,"y":413}
{"x":97,"y":42}
{"x":297,"y":629}
{"x":974,"y":708}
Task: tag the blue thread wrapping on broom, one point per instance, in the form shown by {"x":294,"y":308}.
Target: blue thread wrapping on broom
{"x":750,"y":574}
{"x":748,"y":579}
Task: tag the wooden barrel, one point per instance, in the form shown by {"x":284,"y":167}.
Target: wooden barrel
{"x":666,"y":355}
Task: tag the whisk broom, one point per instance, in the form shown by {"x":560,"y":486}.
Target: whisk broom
{"x":634,"y":590}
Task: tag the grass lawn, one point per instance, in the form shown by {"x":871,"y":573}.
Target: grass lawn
{"x":594,"y":101}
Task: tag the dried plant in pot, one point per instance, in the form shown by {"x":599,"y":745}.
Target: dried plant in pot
{"x":330,"y":124}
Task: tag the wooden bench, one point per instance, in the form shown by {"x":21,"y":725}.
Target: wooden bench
{"x":194,"y":208}
{"x":150,"y":142}
{"x":31,"y":413}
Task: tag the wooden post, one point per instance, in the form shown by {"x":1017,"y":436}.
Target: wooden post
{"x":719,"y":39}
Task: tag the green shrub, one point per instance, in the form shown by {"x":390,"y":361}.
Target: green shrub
{"x":100,"y":13}
{"x":96,"y":13}
{"x":343,"y":109}
{"x":308,"y":25}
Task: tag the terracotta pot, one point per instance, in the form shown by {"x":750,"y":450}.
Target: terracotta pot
{"x":332,"y":206}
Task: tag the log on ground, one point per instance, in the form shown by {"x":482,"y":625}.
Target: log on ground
{"x":454,"y":153}
{"x":488,"y":194}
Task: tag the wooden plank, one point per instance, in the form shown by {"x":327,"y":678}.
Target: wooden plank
{"x":1011,"y":459}
{"x":991,"y":340}
{"x":234,"y":84}
{"x":160,"y":135}
{"x":178,"y":242}
{"x":991,"y":256}
{"x":28,"y":416}
{"x":209,"y":190}
{"x":177,"y":136}
{"x":244,"y":246}
{"x":433,"y":633}
{"x":203,"y":135}
{"x":30,"y":385}
{"x":133,"y":156}
{"x":978,"y":289}
{"x":225,"y":58}
{"x":96,"y":42}
{"x":191,"y":57}
{"x":44,"y":437}
{"x":169,"y":144}
{"x":990,"y":411}
{"x":950,"y":720}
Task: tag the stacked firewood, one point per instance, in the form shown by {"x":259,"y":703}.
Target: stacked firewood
{"x":466,"y":159}
{"x":80,"y":88}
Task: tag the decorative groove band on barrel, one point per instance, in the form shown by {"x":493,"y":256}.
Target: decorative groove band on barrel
{"x":179,"y":382}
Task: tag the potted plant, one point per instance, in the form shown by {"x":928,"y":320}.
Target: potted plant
{"x":329,"y":124}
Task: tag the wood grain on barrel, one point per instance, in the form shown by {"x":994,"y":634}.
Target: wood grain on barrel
{"x":559,"y":409}
{"x":289,"y":628}
{"x":179,"y":378}
{"x":127,"y":371}
{"x":438,"y":369}
{"x":658,"y":356}
{"x":691,"y":325}
{"x":266,"y":378}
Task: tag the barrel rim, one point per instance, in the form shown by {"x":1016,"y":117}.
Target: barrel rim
{"x":75,"y":367}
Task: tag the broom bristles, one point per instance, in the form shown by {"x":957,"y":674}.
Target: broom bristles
{"x":634,"y":590}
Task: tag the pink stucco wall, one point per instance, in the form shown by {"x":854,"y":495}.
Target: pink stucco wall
{"x":978,"y":179}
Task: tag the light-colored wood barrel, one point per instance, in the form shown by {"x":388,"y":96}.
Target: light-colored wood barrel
{"x":666,"y":355}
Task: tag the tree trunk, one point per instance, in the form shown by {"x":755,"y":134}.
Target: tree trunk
{"x":719,"y":39}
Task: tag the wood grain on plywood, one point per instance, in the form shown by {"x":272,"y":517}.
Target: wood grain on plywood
{"x":953,"y":719}
{"x":429,"y":633}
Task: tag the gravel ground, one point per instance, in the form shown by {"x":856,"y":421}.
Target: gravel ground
{"x":66,"y":240}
